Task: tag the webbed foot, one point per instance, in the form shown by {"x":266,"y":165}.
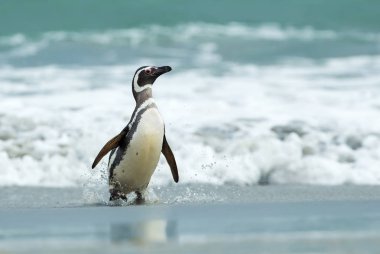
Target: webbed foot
{"x":140,"y":200}
{"x":117,"y":195}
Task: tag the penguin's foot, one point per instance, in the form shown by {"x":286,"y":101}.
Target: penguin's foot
{"x":139,"y":198}
{"x":118,"y":195}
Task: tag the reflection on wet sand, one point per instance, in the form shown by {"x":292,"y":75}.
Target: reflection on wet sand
{"x":144,"y":232}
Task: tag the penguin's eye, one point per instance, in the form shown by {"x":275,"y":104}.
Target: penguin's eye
{"x":148,"y":71}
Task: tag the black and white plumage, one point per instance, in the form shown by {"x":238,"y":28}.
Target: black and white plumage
{"x":136,"y":150}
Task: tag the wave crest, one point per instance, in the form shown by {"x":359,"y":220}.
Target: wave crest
{"x":189,"y":34}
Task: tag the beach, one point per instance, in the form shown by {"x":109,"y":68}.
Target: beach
{"x":188,"y":219}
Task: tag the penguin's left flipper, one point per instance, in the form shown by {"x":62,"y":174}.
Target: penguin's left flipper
{"x":112,"y":144}
{"x":170,"y":159}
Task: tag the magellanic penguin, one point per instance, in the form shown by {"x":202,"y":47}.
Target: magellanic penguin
{"x":136,"y":150}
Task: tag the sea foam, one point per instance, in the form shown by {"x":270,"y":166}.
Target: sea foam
{"x":310,"y":123}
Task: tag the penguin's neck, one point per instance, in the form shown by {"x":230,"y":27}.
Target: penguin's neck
{"x":144,"y":95}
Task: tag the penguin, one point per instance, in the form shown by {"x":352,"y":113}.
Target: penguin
{"x":136,"y":150}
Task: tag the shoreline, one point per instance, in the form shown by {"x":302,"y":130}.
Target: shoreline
{"x":219,"y":228}
{"x":275,"y":219}
{"x":43,"y":197}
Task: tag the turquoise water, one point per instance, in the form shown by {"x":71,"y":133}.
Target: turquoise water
{"x":33,"y":17}
{"x":123,"y":32}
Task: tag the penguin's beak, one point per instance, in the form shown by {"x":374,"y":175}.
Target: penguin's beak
{"x":161,"y":70}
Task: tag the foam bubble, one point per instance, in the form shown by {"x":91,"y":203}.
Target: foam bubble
{"x":315,"y":123}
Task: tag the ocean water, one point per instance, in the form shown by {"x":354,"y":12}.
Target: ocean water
{"x":260,"y":93}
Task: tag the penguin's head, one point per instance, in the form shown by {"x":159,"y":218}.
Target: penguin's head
{"x":146,"y":75}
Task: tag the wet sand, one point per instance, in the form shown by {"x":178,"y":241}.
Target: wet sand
{"x":262,"y":219}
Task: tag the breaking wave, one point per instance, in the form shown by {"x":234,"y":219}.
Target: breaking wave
{"x":310,"y":123}
{"x":213,"y":41}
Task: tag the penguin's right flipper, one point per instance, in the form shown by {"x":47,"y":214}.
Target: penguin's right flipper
{"x":112,"y":144}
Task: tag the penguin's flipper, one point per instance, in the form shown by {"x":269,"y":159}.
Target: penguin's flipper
{"x":113,"y":143}
{"x":170,"y":159}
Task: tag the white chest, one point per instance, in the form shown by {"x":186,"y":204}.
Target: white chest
{"x":142,"y":154}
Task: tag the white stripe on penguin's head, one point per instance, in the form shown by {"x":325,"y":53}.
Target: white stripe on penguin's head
{"x":146,"y":75}
{"x":140,"y":87}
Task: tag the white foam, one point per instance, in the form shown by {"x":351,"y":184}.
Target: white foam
{"x":315,"y":123}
